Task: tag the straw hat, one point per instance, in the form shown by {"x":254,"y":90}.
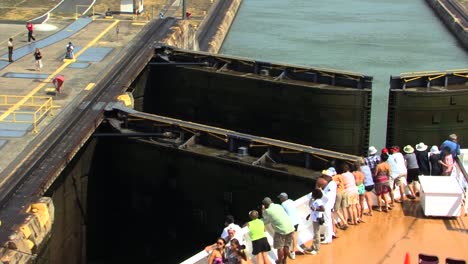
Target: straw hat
{"x":408,"y":149}
{"x":421,"y":146}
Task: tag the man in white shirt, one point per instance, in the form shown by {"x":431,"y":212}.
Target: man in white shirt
{"x":329,"y":196}
{"x":398,"y":173}
{"x":291,"y":210}
{"x":10,"y":50}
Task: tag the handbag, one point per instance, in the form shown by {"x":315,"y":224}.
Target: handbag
{"x":321,"y":220}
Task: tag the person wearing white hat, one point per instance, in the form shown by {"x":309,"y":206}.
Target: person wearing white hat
{"x":422,"y":155}
{"x":329,"y":196}
{"x":373,"y":159}
{"x":413,"y":168}
{"x":434,"y":157}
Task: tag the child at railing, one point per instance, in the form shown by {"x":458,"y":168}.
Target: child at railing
{"x":317,"y":208}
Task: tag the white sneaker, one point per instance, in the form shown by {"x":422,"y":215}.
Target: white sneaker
{"x":292,"y":255}
{"x":311,"y":252}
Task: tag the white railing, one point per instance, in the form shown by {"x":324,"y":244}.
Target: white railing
{"x":305,"y":233}
{"x":460,"y":175}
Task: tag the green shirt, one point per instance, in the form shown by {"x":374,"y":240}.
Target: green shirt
{"x":279,"y":219}
{"x":257,"y":229}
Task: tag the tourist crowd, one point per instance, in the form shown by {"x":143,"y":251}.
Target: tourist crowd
{"x":338,"y":201}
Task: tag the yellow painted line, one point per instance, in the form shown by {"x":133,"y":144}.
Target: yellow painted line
{"x":52,"y":75}
{"x":138,"y":24}
{"x":89,"y":86}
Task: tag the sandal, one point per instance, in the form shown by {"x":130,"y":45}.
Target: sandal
{"x":368,"y":214}
{"x":378,"y":209}
{"x":389,"y":208}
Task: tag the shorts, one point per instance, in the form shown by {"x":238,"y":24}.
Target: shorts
{"x":353,"y":199}
{"x":260,"y":245}
{"x":341,"y":201}
{"x":280,"y":241}
{"x":413,"y":175}
{"x":369,"y":188}
{"x":400,"y":180}
{"x":295,"y":227}
{"x":361,"y":189}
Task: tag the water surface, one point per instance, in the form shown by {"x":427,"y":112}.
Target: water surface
{"x":377,"y":38}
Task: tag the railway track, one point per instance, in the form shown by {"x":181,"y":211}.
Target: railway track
{"x":38,"y":166}
{"x":458,"y":10}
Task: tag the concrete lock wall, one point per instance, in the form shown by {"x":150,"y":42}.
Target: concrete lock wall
{"x":67,"y":243}
{"x":183,"y":35}
{"x":335,"y":119}
{"x":210,"y":34}
{"x":214,"y":28}
{"x":452,"y":23}
{"x":427,"y":117}
{"x":159,"y":195}
{"x":28,"y":238}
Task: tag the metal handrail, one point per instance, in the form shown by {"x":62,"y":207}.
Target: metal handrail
{"x":43,"y":105}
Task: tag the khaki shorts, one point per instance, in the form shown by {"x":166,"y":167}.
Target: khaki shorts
{"x":399,"y":181}
{"x":341,"y":201}
{"x":353,"y":199}
{"x":280,"y":241}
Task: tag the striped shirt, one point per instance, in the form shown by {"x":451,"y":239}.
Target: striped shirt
{"x":372,"y":162}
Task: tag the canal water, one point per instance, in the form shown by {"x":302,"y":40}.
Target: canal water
{"x":374,"y":37}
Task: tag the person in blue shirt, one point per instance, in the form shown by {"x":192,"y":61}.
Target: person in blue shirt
{"x":452,"y":143}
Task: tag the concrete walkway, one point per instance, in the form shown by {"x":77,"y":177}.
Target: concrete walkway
{"x":93,"y":39}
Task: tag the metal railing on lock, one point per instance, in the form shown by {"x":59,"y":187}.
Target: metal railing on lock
{"x":25,"y":109}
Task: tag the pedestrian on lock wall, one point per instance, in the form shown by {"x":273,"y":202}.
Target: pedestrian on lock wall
{"x":38,"y":58}
{"x":10,"y":50}
{"x":69,"y":54}
{"x":30,"y":28}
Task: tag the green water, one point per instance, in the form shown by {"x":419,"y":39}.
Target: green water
{"x":373,"y":37}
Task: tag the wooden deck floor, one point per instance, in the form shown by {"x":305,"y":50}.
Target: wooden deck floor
{"x":387,"y":237}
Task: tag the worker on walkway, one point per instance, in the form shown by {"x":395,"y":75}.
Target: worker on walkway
{"x":69,"y":53}
{"x":10,"y":50}
{"x":58,"y":82}
{"x":30,"y":28}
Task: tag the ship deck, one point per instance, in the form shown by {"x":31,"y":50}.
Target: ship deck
{"x":387,"y":237}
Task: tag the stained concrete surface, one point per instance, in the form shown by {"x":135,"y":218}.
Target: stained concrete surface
{"x":76,"y":79}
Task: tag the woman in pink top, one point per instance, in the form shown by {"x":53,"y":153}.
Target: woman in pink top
{"x":446,"y":161}
{"x":353,"y":194}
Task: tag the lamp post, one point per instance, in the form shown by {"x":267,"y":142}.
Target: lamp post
{"x":184,"y":10}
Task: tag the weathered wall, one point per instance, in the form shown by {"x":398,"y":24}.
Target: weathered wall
{"x":29,"y":237}
{"x":67,"y":243}
{"x":214,"y":28}
{"x":182,"y":35}
{"x":427,"y":117}
{"x":450,"y":21}
{"x":163,"y":202}
{"x":321,"y":117}
{"x":210,"y":34}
